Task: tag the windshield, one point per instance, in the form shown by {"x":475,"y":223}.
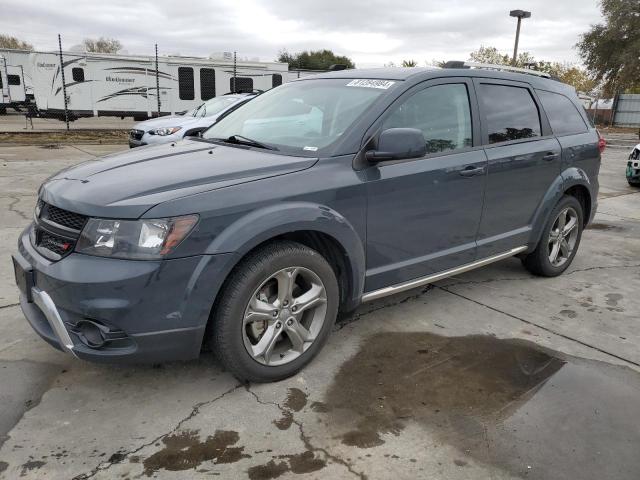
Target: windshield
{"x":301,"y":117}
{"x":212,"y":107}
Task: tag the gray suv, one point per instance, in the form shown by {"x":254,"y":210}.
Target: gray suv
{"x":312,"y":198}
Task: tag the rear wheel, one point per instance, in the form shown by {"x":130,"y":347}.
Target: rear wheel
{"x":560,"y":240}
{"x":275,"y":312}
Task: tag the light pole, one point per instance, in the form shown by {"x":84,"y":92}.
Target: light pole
{"x":519,"y":14}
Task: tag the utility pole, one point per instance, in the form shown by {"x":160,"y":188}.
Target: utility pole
{"x":235,"y":71}
{"x":519,"y":14}
{"x":157,"y":81}
{"x":64,"y":85}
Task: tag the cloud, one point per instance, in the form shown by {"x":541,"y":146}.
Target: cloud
{"x":372,"y":32}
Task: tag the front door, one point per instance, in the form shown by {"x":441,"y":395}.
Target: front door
{"x":524,"y":160}
{"x":423,"y":214}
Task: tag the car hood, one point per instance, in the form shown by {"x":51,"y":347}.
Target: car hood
{"x":125,"y":185}
{"x":170,"y":121}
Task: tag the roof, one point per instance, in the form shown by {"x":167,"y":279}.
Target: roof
{"x":416,"y":74}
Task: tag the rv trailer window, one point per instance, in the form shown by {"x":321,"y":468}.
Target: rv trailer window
{"x":13,"y":79}
{"x":207,"y":83}
{"x":78,"y":74}
{"x":185,"y":83}
{"x":0,"y":81}
{"x":242,"y":84}
{"x":276,"y":80}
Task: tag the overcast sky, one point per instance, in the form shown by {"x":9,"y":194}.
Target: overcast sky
{"x":371,"y":32}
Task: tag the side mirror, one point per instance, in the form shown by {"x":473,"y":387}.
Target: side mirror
{"x":398,"y":144}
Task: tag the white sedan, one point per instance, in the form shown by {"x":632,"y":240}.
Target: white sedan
{"x":176,"y":127}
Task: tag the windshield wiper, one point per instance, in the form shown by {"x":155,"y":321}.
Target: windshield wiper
{"x":240,"y":140}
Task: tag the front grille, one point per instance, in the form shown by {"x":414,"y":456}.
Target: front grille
{"x":136,"y":134}
{"x":56,"y":230}
{"x":58,"y":245}
{"x":63,"y":217}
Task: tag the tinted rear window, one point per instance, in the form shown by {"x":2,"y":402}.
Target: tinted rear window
{"x":562,"y":113}
{"x":510,"y":113}
{"x":207,"y":83}
{"x":185,"y":83}
{"x":13,"y":79}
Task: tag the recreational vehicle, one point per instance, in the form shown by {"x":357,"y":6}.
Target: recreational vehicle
{"x":124,"y":85}
{"x":11,"y":85}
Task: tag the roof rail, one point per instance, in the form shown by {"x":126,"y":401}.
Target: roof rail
{"x":489,"y":66}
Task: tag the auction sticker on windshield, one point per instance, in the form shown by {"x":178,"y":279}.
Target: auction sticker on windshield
{"x":382,"y":84}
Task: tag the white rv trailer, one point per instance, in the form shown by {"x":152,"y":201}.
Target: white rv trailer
{"x":20,"y":59}
{"x":124,"y":85}
{"x":12,"y":85}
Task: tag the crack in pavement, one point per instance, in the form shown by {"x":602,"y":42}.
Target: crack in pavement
{"x":542,"y":327}
{"x":121,"y":455}
{"x":15,"y":201}
{"x":10,"y":305}
{"x":304,"y":438}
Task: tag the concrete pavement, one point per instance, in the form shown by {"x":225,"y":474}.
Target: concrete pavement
{"x":493,"y":374}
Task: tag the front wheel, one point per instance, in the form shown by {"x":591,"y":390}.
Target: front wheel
{"x":275,"y":312}
{"x":560,"y":240}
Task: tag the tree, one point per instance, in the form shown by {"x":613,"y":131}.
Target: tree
{"x":565,"y":72}
{"x":7,"y":41}
{"x":493,"y":56}
{"x":610,"y":50}
{"x":409,"y":63}
{"x":102,"y":45}
{"x":314,"y":60}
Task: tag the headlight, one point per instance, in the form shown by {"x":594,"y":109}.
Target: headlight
{"x":134,"y":239}
{"x":164,"y":131}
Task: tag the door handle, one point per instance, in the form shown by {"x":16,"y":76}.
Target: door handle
{"x":471,"y":171}
{"x":550,"y":156}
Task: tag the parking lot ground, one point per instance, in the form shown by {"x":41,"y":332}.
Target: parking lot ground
{"x":494,"y":374}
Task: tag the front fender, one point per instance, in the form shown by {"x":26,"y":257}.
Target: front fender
{"x":266,"y":223}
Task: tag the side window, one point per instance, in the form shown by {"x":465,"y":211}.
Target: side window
{"x":78,"y":74}
{"x":562,"y":113}
{"x":207,"y":83}
{"x":13,"y":79}
{"x":185,"y":83}
{"x":276,"y":80}
{"x":242,"y":84}
{"x":510,"y":113}
{"x":442,"y":113}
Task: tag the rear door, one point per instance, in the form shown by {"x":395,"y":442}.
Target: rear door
{"x":423,"y":214}
{"x":524,"y":159}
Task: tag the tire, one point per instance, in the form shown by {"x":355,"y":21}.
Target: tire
{"x":235,"y":338}
{"x":634,"y":184}
{"x":539,"y":262}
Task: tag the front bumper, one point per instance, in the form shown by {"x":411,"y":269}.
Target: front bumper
{"x":633,"y":171}
{"x":151,"y":311}
{"x":148,"y":139}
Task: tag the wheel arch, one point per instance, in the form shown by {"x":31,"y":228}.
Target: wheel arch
{"x":574,"y":182}
{"x":316,"y":226}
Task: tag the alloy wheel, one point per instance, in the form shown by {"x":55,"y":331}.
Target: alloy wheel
{"x":563,"y":237}
{"x":284,"y":316}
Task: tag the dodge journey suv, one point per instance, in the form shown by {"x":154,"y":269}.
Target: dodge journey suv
{"x":314,"y":197}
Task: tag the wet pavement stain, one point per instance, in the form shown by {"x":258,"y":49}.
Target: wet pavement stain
{"x":603,"y":226}
{"x":184,"y":451}
{"x":31,"y":465}
{"x":507,"y":403}
{"x":296,"y":400}
{"x":284,"y":422}
{"x":613,"y":299}
{"x":268,"y":471}
{"x":299,"y":463}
